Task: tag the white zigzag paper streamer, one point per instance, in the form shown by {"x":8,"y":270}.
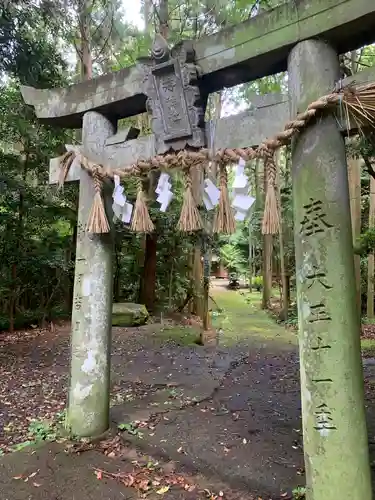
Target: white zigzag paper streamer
{"x":163,"y":190}
{"x":242,"y":201}
{"x":121,"y":208}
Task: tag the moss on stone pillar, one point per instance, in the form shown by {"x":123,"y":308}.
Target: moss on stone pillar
{"x":334,"y":426}
{"x":88,"y":407}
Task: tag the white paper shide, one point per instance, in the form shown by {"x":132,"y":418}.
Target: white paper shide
{"x":163,"y":190}
{"x":211,"y":194}
{"x":121,"y":208}
{"x":242,"y":201}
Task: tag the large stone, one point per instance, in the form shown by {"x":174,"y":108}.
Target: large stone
{"x":128,"y":314}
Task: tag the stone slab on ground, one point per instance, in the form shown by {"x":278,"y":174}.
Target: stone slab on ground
{"x":170,"y":377}
{"x":59,"y":476}
{"x":170,"y":364}
{"x":247,"y":432}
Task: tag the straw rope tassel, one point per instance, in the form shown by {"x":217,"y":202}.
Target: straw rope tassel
{"x":141,"y":222}
{"x":271,"y":221}
{"x":97,"y":222}
{"x":190,"y":219}
{"x":224,"y":218}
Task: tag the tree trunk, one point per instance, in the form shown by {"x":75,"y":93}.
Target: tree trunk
{"x":267,"y":270}
{"x":332,"y":389}
{"x":148,"y":287}
{"x":117,"y":270}
{"x":84,"y":53}
{"x":197,"y":302}
{"x":163,"y":19}
{"x":284,"y":281}
{"x":212,"y":174}
{"x":267,"y":259}
{"x":170,"y":286}
{"x":370,"y":259}
{"x":72,"y":257}
{"x":354,"y":179}
{"x":12,"y":298}
{"x":197,"y":280}
{"x":24,"y":159}
{"x":250,"y":257}
{"x":148,"y":284}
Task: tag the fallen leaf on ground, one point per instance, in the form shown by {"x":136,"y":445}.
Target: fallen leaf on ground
{"x":163,"y":490}
{"x":143,"y":485}
{"x":129,"y":481}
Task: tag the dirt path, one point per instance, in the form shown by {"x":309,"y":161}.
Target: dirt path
{"x":245,"y":427}
{"x":231,"y":413}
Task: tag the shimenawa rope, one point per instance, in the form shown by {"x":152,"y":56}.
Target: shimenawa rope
{"x":347,"y":97}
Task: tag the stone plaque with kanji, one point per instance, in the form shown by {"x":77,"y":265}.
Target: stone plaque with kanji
{"x":173,"y":97}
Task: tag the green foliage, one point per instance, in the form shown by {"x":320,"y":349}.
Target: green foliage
{"x":366,"y":242}
{"x":231,"y":257}
{"x":42,"y":431}
{"x":299,"y":493}
{"x":26,"y":44}
{"x":292,"y":315}
{"x":131,"y":428}
{"x":35,"y":226}
{"x":257,"y":282}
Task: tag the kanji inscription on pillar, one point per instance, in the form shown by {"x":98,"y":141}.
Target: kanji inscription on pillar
{"x":315,"y":218}
{"x":319,"y":312}
{"x":316,"y":289}
{"x":324,"y":419}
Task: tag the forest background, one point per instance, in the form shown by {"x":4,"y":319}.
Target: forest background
{"x":49,"y":43}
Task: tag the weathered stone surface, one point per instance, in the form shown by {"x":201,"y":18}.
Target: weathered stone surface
{"x":250,"y":50}
{"x":266,"y":117}
{"x":88,"y":408}
{"x":129,"y":314}
{"x":249,"y":128}
{"x":115,"y":94}
{"x":174,"y":98}
{"x":260,"y":46}
{"x":329,"y":331}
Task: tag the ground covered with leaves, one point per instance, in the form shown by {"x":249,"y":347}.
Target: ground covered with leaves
{"x":231,"y":413}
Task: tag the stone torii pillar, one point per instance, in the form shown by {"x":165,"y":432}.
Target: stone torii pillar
{"x":88,"y":405}
{"x":334,"y":424}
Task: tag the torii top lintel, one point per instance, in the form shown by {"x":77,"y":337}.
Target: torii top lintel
{"x":252,"y":49}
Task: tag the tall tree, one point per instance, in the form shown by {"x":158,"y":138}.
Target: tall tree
{"x":27,"y":209}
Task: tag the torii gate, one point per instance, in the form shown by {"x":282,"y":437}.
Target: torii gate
{"x":304,"y":37}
